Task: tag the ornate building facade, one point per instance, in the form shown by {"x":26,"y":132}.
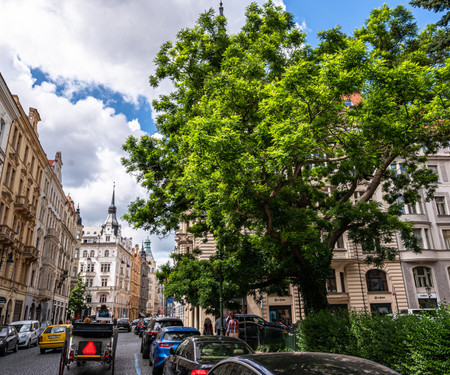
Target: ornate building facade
{"x":105,"y":265}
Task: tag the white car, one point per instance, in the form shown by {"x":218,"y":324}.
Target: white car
{"x":28,"y":332}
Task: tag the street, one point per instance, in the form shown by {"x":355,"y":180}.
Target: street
{"x":31,"y":362}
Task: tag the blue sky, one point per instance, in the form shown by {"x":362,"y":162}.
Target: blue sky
{"x":84,"y":65}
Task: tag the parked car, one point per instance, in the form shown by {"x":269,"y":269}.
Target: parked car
{"x":198,"y":354}
{"x":169,"y":337}
{"x":154,"y":326}
{"x":53,"y":337}
{"x":9,"y":340}
{"x":135,"y":322}
{"x":296,"y":363}
{"x":43,"y":326}
{"x":257,"y":319}
{"x":124,"y":323}
{"x":141,"y":327}
{"x":28,"y":332}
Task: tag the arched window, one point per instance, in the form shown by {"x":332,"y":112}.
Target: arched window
{"x":106,"y":253}
{"x":92,"y":254}
{"x":85,"y":253}
{"x":376,"y":281}
{"x":103,"y":298}
{"x":422,"y":277}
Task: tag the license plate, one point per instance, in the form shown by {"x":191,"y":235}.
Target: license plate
{"x":53,"y":337}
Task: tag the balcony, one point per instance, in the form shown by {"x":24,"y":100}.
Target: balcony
{"x":21,"y":205}
{"x":6,"y":235}
{"x":51,"y":233}
{"x":30,"y":252}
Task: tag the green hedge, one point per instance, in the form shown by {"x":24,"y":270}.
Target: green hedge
{"x":410,"y":344}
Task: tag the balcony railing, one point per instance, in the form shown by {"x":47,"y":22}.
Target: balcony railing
{"x":6,"y":235}
{"x":31,"y":252}
{"x":51,"y":233}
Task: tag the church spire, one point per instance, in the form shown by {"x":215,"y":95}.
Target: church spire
{"x":111,"y":218}
{"x":221,"y":9}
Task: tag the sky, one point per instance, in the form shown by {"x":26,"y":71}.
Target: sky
{"x":84,"y":65}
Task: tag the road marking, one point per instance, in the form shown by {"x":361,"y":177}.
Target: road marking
{"x":136,"y":364}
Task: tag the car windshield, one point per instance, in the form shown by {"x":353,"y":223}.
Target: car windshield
{"x":58,"y":329}
{"x":23,"y":327}
{"x":4,"y":331}
{"x":178,"y":336}
{"x":212,"y":352}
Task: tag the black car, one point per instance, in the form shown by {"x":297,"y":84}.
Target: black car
{"x":258,"y":320}
{"x":153,"y":327}
{"x":124,"y":323}
{"x":201,"y":353}
{"x":9,"y":340}
{"x":255,"y":334}
{"x":299,"y":363}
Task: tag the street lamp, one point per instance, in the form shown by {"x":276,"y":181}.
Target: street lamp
{"x":9,"y":261}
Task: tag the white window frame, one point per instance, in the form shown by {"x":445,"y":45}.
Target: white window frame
{"x":425,"y":279}
{"x":441,"y":205}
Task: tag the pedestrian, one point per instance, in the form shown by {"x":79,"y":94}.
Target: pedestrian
{"x":87,"y":321}
{"x":207,"y":327}
{"x":232,"y":326}
{"x":217,"y":326}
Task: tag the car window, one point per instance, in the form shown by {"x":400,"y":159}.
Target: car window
{"x":231,"y":369}
{"x":213,"y":352}
{"x":181,"y":347}
{"x":4,"y":331}
{"x":55,"y":329}
{"x":179,"y":335}
{"x":173,"y":323}
{"x":23,"y":327}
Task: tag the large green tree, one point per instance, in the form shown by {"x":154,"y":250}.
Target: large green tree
{"x":265,"y":140}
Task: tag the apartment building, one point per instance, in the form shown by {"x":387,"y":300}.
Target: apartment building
{"x":105,"y":265}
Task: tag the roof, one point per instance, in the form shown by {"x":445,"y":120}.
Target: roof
{"x":179,"y":329}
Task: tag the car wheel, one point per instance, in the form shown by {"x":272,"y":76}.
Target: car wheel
{"x":157,"y":370}
{"x":145,"y":352}
{"x":2,"y":352}
{"x":16,"y":347}
{"x":42,"y":351}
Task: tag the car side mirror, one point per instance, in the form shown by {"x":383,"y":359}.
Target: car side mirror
{"x":172,"y":350}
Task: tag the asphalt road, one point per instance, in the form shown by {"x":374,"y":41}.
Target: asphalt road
{"x":30,"y":362}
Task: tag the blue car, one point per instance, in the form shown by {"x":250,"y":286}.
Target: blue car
{"x":168,"y":338}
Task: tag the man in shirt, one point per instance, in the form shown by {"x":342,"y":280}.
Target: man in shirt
{"x":233,"y":326}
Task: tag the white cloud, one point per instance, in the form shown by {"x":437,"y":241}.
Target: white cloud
{"x":94,"y":42}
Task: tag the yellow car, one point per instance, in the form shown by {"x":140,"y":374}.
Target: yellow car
{"x":53,"y":337}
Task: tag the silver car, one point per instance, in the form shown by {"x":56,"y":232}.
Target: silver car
{"x":28,"y":332}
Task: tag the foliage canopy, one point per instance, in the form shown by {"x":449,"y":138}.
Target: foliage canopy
{"x":265,"y":141}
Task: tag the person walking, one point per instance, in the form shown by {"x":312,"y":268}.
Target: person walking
{"x":233,"y":326}
{"x":217,"y":326}
{"x":207,"y":327}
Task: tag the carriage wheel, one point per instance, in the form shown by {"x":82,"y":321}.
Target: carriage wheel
{"x":62,"y":362}
{"x":112,"y":365}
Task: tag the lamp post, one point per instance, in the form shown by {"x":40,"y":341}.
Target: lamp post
{"x":9,"y":261}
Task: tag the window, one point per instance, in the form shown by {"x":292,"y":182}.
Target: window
{"x":441,"y":206}
{"x":103,"y":298}
{"x":89,"y":299}
{"x":434,"y":169}
{"x":85,"y":253}
{"x":92,"y":254}
{"x":89,"y":282}
{"x":357,"y":195}
{"x":74,"y":272}
{"x":90,"y":267}
{"x":381,"y":308}
{"x":422,"y":237}
{"x":414,"y":208}
{"x":105,"y":267}
{"x":331,"y":282}
{"x":76,"y":254}
{"x":342,"y":281}
{"x":104,"y":282}
{"x":81,"y":267}
{"x":108,"y":238}
{"x":376,"y":281}
{"x":106,"y":253}
{"x":340,"y":243}
{"x":422,"y":277}
{"x":446,"y":234}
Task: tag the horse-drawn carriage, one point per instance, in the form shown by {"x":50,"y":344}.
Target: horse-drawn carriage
{"x":89,"y":342}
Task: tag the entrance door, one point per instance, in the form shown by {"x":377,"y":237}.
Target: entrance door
{"x":280,"y":314}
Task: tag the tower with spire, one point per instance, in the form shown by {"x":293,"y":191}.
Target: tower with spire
{"x":111,"y":225}
{"x":221,"y":9}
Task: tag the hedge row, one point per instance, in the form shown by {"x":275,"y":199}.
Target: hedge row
{"x":410,"y":344}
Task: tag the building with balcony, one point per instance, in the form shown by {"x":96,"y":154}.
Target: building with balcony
{"x":20,"y":183}
{"x":105,"y":263}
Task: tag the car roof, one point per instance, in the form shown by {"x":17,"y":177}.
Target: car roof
{"x":179,"y":328}
{"x":167,"y":319}
{"x":212,"y":338}
{"x":24,"y":322}
{"x":279,"y":361}
{"x":59,"y":325}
